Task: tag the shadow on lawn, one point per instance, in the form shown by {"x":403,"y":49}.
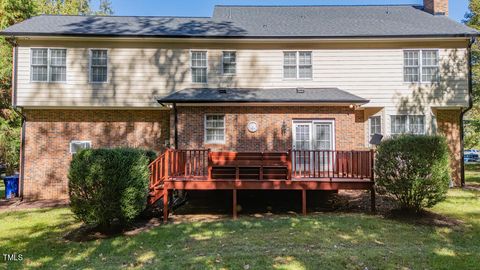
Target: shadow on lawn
{"x":328,"y":240}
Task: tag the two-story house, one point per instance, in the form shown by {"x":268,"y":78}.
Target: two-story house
{"x":248,"y":78}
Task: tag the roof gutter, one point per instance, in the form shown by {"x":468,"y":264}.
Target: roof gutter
{"x":464,"y":111}
{"x":35,"y":34}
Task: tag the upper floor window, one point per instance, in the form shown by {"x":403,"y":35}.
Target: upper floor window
{"x":98,"y":65}
{"x":215,"y":128}
{"x":420,"y":65}
{"x":48,"y":65}
{"x":229,"y":61}
{"x":297,"y":65}
{"x":414,"y":124}
{"x":199,"y":66}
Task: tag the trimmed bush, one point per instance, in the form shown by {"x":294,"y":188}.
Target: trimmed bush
{"x":414,"y":169}
{"x":109,"y":186}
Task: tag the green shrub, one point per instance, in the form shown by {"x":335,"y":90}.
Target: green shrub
{"x":109,"y":186}
{"x":414,"y":169}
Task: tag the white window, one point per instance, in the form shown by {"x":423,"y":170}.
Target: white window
{"x":375,"y":125}
{"x":98,"y":66}
{"x":425,"y":69}
{"x":39,"y":65}
{"x":199,"y":66}
{"x":229,"y":61}
{"x":297,"y":65}
{"x":76,"y":146}
{"x":48,"y":65}
{"x":414,"y":124}
{"x":58,"y":65}
{"x":215,"y":129}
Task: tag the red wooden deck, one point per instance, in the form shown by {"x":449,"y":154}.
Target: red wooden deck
{"x":293,"y":170}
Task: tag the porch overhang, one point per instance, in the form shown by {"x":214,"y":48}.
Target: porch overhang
{"x":330,"y":96}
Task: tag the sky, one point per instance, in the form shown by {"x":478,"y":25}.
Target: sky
{"x":204,"y":8}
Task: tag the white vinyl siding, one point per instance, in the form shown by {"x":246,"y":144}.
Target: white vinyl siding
{"x":215,"y":129}
{"x":297,"y":65}
{"x":140,"y":71}
{"x":229,"y":62}
{"x":199,"y":66}
{"x":413,"y":124}
{"x":98,"y":66}
{"x":421,"y":65}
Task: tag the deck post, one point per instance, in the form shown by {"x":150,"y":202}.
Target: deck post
{"x":304,"y":202}
{"x":289,"y":164}
{"x":372,"y":200}
{"x":165,"y":204}
{"x":234,"y":204}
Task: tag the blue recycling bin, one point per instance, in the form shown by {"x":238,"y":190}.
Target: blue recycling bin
{"x":11,"y":186}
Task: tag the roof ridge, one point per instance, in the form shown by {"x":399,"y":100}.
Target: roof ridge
{"x":348,"y":5}
{"x":121,"y":16}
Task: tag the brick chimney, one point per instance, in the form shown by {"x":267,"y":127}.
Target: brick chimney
{"x":436,"y":7}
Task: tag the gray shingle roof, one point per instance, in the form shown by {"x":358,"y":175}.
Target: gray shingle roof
{"x":257,"y":22}
{"x":239,"y":95}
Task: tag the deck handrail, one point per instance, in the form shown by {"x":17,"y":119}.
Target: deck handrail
{"x":353,"y":164}
{"x":184,"y":164}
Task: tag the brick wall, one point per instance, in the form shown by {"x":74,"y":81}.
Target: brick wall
{"x":274,"y":127}
{"x":48,"y":133}
{"x":448,"y":122}
{"x":436,"y":6}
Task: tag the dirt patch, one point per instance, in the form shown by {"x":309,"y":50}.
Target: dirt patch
{"x":424,"y":218}
{"x":16,"y":204}
{"x":90,"y":233}
{"x":359,"y":201}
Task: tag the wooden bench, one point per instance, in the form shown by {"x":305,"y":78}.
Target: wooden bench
{"x":249,"y":165}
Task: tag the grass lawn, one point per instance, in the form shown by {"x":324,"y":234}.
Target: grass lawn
{"x":323,"y":241}
{"x":472,"y":174}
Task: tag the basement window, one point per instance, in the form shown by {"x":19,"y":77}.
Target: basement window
{"x":76,"y":146}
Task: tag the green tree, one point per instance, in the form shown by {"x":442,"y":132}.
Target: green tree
{"x":12,"y":12}
{"x":472,"y":124}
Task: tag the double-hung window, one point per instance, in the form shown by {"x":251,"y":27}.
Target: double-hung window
{"x":297,"y":65}
{"x":199,"y":66}
{"x":98,"y":66}
{"x":414,"y":124}
{"x":375,"y":125}
{"x":229,"y":61}
{"x":420,"y":65}
{"x":48,"y":65}
{"x":215,"y":128}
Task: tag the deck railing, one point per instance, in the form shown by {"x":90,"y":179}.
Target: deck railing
{"x":194,"y":164}
{"x":332,"y":164}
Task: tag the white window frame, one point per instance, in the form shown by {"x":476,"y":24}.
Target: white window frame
{"x":311,"y":123}
{"x":79,"y":142}
{"x":90,"y":74}
{"x":205,"y":128}
{"x":223,"y":63}
{"x":370,"y":125}
{"x":297,"y":65}
{"x":421,"y":66}
{"x":192,"y":67}
{"x":49,"y":65}
{"x":407,"y":123}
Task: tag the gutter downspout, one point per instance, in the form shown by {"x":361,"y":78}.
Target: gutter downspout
{"x":175,"y":120}
{"x":470,"y":106}
{"x":21,"y":169}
